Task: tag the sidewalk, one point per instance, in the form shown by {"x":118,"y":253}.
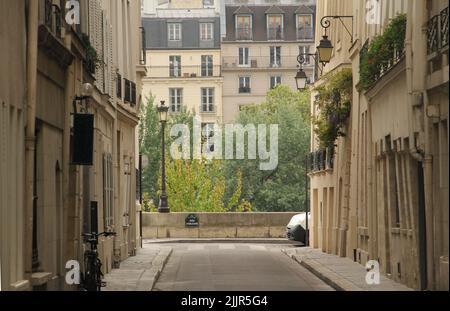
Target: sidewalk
{"x":139,"y":273}
{"x":341,"y":273}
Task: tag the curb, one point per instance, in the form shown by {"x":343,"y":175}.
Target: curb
{"x":326,"y":275}
{"x":221,"y":240}
{"x":159,"y":263}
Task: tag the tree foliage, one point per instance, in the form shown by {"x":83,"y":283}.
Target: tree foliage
{"x":282,"y":189}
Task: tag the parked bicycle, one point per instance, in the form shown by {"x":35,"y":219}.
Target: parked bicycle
{"x":91,"y":279}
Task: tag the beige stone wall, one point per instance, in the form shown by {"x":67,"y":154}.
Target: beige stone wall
{"x":12,"y":123}
{"x":217,"y":225}
{"x":396,"y":129}
{"x":157,"y":82}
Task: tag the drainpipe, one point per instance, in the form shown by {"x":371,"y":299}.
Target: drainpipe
{"x":30,"y":141}
{"x":417,"y":99}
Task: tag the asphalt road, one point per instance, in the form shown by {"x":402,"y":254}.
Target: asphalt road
{"x":235,"y":267}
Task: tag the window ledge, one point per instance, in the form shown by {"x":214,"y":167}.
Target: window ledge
{"x":40,"y":278}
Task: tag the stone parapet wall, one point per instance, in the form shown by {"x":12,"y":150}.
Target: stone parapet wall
{"x":216,"y":225}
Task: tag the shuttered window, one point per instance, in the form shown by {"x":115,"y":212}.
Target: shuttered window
{"x":108,"y":191}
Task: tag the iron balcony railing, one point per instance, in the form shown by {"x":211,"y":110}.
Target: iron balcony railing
{"x":321,"y":160}
{"x":275,"y":33}
{"x":244,"y":34}
{"x":305,"y":33}
{"x":52,"y":16}
{"x":263,"y":62}
{"x":437,"y":32}
{"x":208,"y":108}
{"x":206,"y":71}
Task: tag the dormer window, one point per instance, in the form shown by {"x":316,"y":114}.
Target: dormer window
{"x":304,"y":27}
{"x":275,"y":27}
{"x":244,"y":27}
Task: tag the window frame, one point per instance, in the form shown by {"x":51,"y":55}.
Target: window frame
{"x":250,"y":26}
{"x":174,"y":31}
{"x":297,"y":25}
{"x":268,"y":26}
{"x":209,"y":31}
{"x":275,"y":62}
{"x":175,"y":69}
{"x":176,"y":99}
{"x":207,"y":99}
{"x":245,"y":56}
{"x":244,"y":86}
{"x":207,"y":65}
{"x":274,"y":79}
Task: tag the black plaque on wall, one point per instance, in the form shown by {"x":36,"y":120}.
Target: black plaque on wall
{"x":83,"y":139}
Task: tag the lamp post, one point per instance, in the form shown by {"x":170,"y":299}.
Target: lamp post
{"x":163,"y":206}
{"x":301,"y":79}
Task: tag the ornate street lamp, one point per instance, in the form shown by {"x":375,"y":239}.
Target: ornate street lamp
{"x":325,"y":48}
{"x":301,"y":79}
{"x":163,"y":112}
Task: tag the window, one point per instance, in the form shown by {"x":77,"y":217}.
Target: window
{"x":275,"y":29}
{"x":206,"y":31}
{"x":304,"y":50}
{"x":275,"y":56}
{"x":304,"y":27}
{"x":207,"y":137}
{"x":244,"y":27}
{"x":243,"y":57}
{"x":176,"y":99}
{"x":175,"y":66}
{"x":208,"y":3}
{"x":174,"y":32}
{"x":275,"y":81}
{"x":207,"y":100}
{"x":244,"y":85}
{"x":207,"y":66}
{"x":108,"y":191}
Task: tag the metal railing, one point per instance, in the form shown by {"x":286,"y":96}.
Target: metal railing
{"x":264,"y":62}
{"x":53,"y":17}
{"x":437,"y":32}
{"x":208,"y":108}
{"x":321,"y":160}
{"x":305,"y":33}
{"x":275,"y":33}
{"x":244,"y":33}
{"x":206,"y":71}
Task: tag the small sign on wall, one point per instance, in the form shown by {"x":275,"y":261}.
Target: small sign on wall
{"x":192,"y":221}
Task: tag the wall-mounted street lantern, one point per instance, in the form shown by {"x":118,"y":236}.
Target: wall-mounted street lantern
{"x":325,"y":48}
{"x":301,"y":79}
{"x":163,"y":112}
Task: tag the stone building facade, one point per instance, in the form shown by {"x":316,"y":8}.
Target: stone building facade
{"x":385,"y":196}
{"x":260,"y":49}
{"x":43,"y":222}
{"x":184,"y":58}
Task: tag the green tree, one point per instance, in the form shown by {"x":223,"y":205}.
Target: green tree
{"x":283,"y":188}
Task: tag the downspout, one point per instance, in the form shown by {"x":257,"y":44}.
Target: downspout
{"x":418,"y":100}
{"x":30,"y":140}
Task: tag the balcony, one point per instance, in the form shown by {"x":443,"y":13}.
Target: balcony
{"x":208,"y":109}
{"x":263,"y":62}
{"x":437,"y":44}
{"x":321,"y":160}
{"x":245,"y":90}
{"x":184,"y":72}
{"x":244,"y":34}
{"x":305,"y":34}
{"x":275,"y":33}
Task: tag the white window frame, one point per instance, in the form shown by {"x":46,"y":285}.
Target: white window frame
{"x":176,"y":63}
{"x":174,"y":32}
{"x":176,"y":99}
{"x":250,"y":28}
{"x":297,"y":24}
{"x":206,"y":31}
{"x":207,"y":64}
{"x":274,"y":62}
{"x":282,"y":26}
{"x":246,"y":84}
{"x":275,"y":81}
{"x":245,"y":57}
{"x":208,"y":99}
{"x":305,"y":49}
